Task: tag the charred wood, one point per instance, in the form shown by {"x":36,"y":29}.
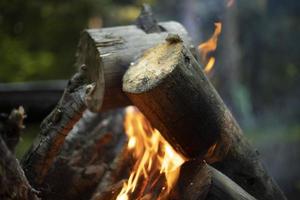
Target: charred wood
{"x":55,"y":128}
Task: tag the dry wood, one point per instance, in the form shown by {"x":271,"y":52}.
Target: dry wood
{"x":55,"y":128}
{"x":169,"y":87}
{"x":108,"y":52}
{"x":198,"y":181}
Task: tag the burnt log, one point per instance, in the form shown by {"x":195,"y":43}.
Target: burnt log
{"x":108,"y":52}
{"x":86,"y":157}
{"x":54,"y":129}
{"x":169,"y":87}
{"x":37,"y":97}
{"x":198,"y":180}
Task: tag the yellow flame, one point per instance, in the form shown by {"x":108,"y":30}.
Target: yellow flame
{"x":209,"y":46}
{"x":154,"y":157}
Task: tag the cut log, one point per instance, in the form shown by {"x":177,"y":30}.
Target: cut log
{"x":164,"y":85}
{"x":169,"y":87}
{"x":108,"y":52}
{"x":198,"y":181}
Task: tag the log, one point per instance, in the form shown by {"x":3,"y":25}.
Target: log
{"x":169,"y":87}
{"x":37,"y":97}
{"x":86,"y":156}
{"x":176,"y":110}
{"x":54,"y":129}
{"x":198,"y":180}
{"x":108,"y":52}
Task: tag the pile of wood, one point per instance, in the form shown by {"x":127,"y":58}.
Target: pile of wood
{"x":154,"y":66}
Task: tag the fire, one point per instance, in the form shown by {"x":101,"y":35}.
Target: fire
{"x":157,"y":164}
{"x":210,"y":46}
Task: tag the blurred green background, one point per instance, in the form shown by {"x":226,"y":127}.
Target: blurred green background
{"x":257,"y":61}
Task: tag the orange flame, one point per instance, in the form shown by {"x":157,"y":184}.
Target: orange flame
{"x":210,"y":46}
{"x":156,"y":160}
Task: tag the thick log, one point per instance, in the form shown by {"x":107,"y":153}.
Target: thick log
{"x":169,"y":87}
{"x":37,"y":97}
{"x":198,"y":181}
{"x":55,"y":128}
{"x":108,"y":52}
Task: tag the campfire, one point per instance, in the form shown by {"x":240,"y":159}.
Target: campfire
{"x":156,"y":160}
{"x":159,"y":129}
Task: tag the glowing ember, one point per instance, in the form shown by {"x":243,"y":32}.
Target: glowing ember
{"x":157,"y":164}
{"x":210,"y":46}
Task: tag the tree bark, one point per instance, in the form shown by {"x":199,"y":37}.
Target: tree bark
{"x":169,"y":87}
{"x":198,"y":181}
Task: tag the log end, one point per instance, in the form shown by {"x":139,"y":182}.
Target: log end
{"x":89,"y":62}
{"x":155,"y":64}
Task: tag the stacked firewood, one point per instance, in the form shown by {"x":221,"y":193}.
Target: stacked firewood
{"x":154,"y":66}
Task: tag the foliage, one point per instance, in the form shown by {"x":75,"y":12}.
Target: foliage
{"x":38,"y":38}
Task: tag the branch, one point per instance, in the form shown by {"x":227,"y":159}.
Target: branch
{"x":56,"y":127}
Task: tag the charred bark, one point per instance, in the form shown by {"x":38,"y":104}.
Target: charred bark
{"x":87,"y":155}
{"x":55,"y":128}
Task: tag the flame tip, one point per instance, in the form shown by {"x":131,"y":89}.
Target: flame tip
{"x":152,"y":152}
